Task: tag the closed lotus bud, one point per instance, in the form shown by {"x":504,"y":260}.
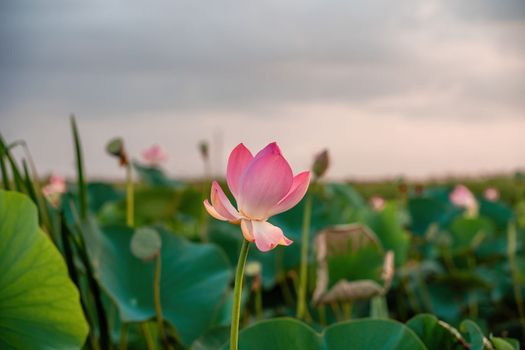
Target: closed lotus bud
{"x":115,"y":147}
{"x":154,"y":156}
{"x":321,"y":164}
{"x":377,"y":203}
{"x":491,"y":194}
{"x":463,"y":198}
{"x":54,"y":189}
{"x":204,"y":149}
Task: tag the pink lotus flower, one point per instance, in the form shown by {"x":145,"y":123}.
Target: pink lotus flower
{"x":377,"y":203}
{"x":462,"y":197}
{"x":54,"y":189}
{"x":155,"y":155}
{"x":263,"y":186}
{"x":491,"y":194}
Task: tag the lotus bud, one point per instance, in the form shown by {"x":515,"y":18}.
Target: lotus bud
{"x":463,"y":198}
{"x":155,"y":156}
{"x":377,"y":203}
{"x":54,"y":189}
{"x":204,"y":149}
{"x":491,"y":194}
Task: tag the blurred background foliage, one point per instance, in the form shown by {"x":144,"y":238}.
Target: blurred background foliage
{"x":455,"y":280}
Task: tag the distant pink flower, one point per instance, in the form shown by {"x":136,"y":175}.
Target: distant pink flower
{"x":462,"y":197}
{"x":263,"y":186}
{"x":155,"y":155}
{"x":54,"y":189}
{"x":377,"y":203}
{"x":491,"y":194}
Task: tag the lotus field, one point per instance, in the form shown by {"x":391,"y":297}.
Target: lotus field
{"x":264,"y":258}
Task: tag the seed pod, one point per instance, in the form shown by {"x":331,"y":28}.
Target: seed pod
{"x":321,"y":164}
{"x":145,"y":243}
{"x":115,"y":147}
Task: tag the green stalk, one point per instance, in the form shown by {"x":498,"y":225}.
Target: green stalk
{"x":472,"y":297}
{"x":123,"y":344}
{"x":158,"y":306}
{"x":322,"y":315}
{"x":40,"y":200}
{"x":73,"y":274}
{"x":130,"y":198}
{"x":150,"y":343}
{"x":96,"y":293}
{"x":347,"y":310}
{"x":17,"y":177}
{"x":28,"y":183}
{"x":303,"y":270}
{"x":97,"y":296}
{"x":81,"y":183}
{"x":237,"y":291}
{"x":516,"y":276}
{"x":258,"y":301}
{"x":3,"y":168}
{"x":412,"y":298}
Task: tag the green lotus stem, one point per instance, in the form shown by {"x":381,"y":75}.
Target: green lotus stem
{"x":412,"y":298}
{"x":82,"y":189}
{"x":347,"y":310}
{"x":158,"y":306}
{"x":322,"y":315}
{"x":237,"y":291}
{"x":40,"y":200}
{"x":258,"y":303}
{"x":472,"y":298}
{"x":3,"y":168}
{"x":336,"y":310}
{"x":425,"y":295}
{"x":303,"y":270}
{"x":150,"y":344}
{"x":515,"y":271}
{"x":130,"y":202}
{"x":286,"y":292}
{"x":123,"y":345}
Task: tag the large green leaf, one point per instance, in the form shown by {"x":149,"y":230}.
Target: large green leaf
{"x":476,"y":336}
{"x":350,"y":264}
{"x":498,"y":212}
{"x":434,"y":333}
{"x":194,"y":278}
{"x":387,"y":226}
{"x":426,"y":211}
{"x":365,"y":334}
{"x":154,"y":176}
{"x":101,"y":193}
{"x":180,"y":209}
{"x":39,"y":305}
{"x":468,"y":233}
{"x":279,"y":334}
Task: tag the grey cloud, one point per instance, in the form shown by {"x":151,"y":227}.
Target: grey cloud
{"x":104,"y":59}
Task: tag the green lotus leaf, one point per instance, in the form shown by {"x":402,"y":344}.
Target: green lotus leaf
{"x":194,"y":278}
{"x":364,"y":334}
{"x":39,"y":305}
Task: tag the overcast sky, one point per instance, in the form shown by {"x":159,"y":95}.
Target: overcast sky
{"x":391,"y":88}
